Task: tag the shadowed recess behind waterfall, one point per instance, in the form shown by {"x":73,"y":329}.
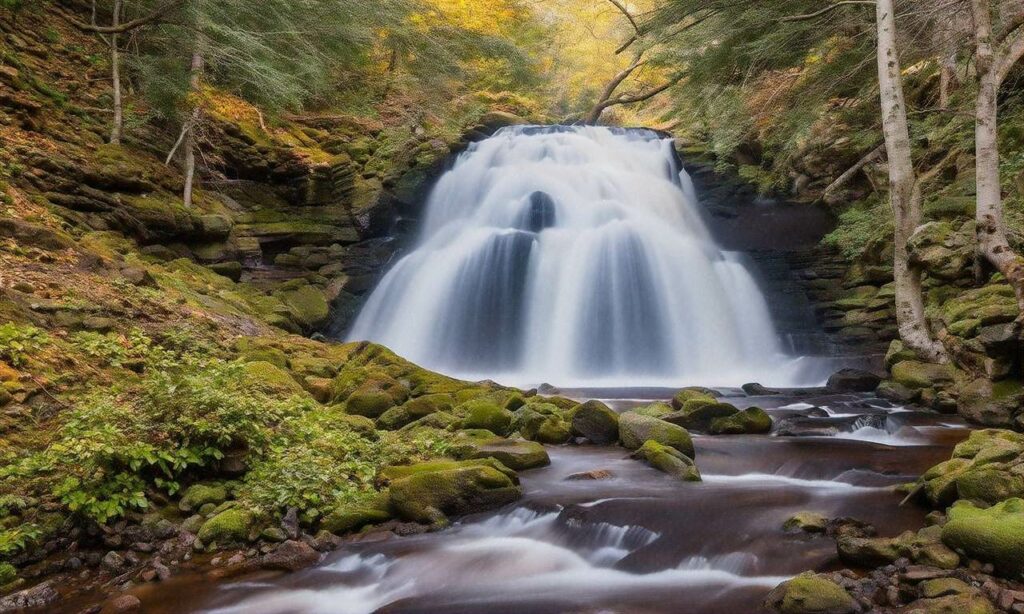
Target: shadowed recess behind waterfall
{"x":577,"y":256}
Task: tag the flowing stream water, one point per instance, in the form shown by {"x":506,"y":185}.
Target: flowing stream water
{"x":579,"y":256}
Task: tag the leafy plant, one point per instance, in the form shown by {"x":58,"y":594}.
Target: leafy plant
{"x":18,"y":343}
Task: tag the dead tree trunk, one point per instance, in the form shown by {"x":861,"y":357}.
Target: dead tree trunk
{"x":993,"y":65}
{"x":117,"y":129}
{"x":191,"y":142}
{"x":904,"y":191}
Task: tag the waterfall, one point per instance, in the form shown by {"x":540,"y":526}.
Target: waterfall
{"x":576,"y":256}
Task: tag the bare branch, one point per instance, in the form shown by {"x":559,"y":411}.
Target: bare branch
{"x":1013,"y":24}
{"x":845,"y":178}
{"x":128,"y":26}
{"x":632,"y":20}
{"x":827,"y":9}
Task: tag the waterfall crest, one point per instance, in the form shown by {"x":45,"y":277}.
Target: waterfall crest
{"x":576,"y":256}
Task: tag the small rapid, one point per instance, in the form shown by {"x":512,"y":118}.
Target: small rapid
{"x":578,"y":256}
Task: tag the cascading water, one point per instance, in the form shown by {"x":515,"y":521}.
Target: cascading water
{"x":577,"y":256}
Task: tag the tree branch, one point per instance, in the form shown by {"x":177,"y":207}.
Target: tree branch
{"x":127,"y":26}
{"x":827,"y":9}
{"x":645,"y":95}
{"x":622,"y":9}
{"x":845,"y":178}
{"x":1009,"y":56}
{"x":1009,"y":27}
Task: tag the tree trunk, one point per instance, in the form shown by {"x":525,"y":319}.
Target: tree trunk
{"x":904,"y":191}
{"x":993,"y":245}
{"x":117,"y":130}
{"x":195,"y":80}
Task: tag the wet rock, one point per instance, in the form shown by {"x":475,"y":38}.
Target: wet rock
{"x":542,"y":422}
{"x":635,"y":430}
{"x":228,"y":527}
{"x":198,"y":495}
{"x":811,"y":594}
{"x":431,"y":497}
{"x":808,"y":522}
{"x":755,"y":389}
{"x":698,"y":413}
{"x":752,"y":420}
{"x":594,"y":474}
{"x":668,"y":460}
{"x":595,"y":421}
{"x":290,"y":556}
{"x":113,"y":561}
{"x":414,"y":409}
{"x":916,"y":375}
{"x":123,"y":604}
{"x":853,"y":380}
{"x":994,"y":535}
{"x":290,"y":523}
{"x":346,"y":518}
{"x":693,"y":392}
{"x":953,"y":604}
{"x":485,"y":414}
{"x":35,"y":598}
{"x":517,"y":454}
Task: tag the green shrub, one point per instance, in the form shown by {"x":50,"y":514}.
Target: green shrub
{"x":19,"y":342}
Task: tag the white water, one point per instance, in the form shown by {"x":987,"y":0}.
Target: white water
{"x":575,"y":256}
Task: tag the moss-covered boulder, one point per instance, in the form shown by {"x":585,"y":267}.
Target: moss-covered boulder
{"x":993,"y":535}
{"x":517,"y":454}
{"x":635,"y":430}
{"x":987,"y":467}
{"x":231,"y":526}
{"x":917,"y":375}
{"x":391,"y":473}
{"x":307,"y":306}
{"x":440,"y":420}
{"x":693,"y":393}
{"x":349,"y":517}
{"x":433,"y":497}
{"x":698,"y":414}
{"x":809,"y":593}
{"x":668,"y":460}
{"x":198,"y":495}
{"x":485,"y":414}
{"x":375,"y":396}
{"x":271,"y":379}
{"x":596,"y":422}
{"x":806,"y":522}
{"x":542,"y":422}
{"x":752,"y":420}
{"x":654,"y":410}
{"x":924,"y":547}
{"x":964,"y":603}
{"x":414,"y":409}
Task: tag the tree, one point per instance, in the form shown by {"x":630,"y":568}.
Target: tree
{"x":995,"y":55}
{"x":904,"y":190}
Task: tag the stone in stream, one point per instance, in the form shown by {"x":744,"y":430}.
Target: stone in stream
{"x":808,"y":522}
{"x":691,"y":393}
{"x":853,"y":380}
{"x":810,"y":593}
{"x":750,"y":421}
{"x":668,"y":460}
{"x":755,"y":389}
{"x":594,"y":474}
{"x":431,"y":497}
{"x":635,"y":430}
{"x":597,"y":422}
{"x":698,"y":414}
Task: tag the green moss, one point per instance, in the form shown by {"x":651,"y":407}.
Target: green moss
{"x":517,"y":454}
{"x":230,"y":526}
{"x":917,"y":375}
{"x":8,"y":574}
{"x":699,"y":415}
{"x":595,"y":421}
{"x":654,"y":410}
{"x":751,"y":420}
{"x":349,"y":517}
{"x":307,"y":305}
{"x":199,"y":495}
{"x":432,"y":497}
{"x":485,"y":414}
{"x":635,"y":430}
{"x":694,"y":393}
{"x":994,"y":535}
{"x":811,"y":594}
{"x":414,"y":409}
{"x":271,"y":379}
{"x":397,"y":472}
{"x":266,"y":354}
{"x":668,"y":460}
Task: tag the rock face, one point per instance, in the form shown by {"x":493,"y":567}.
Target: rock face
{"x":811,"y":594}
{"x":597,"y":422}
{"x":994,"y":535}
{"x":987,"y":467}
{"x":853,"y":380}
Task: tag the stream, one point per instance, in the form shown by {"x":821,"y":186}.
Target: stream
{"x":638,"y":541}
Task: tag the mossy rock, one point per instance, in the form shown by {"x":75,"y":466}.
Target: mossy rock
{"x":693,"y":393}
{"x":198,"y":495}
{"x":940,"y":481}
{"x":485,"y":414}
{"x":266,"y":354}
{"x":231,"y":526}
{"x":595,"y":421}
{"x":349,"y":517}
{"x":542,"y":422}
{"x":391,"y":473}
{"x":517,"y":454}
{"x":654,"y":410}
{"x":752,"y":420}
{"x":942,"y":587}
{"x":807,"y":522}
{"x":972,"y":603}
{"x":414,"y":409}
{"x":991,"y":484}
{"x":980,"y":440}
{"x":668,"y":460}
{"x":917,"y":375}
{"x":375,"y":396}
{"x":994,"y":535}
{"x":698,"y":414}
{"x":433,"y":497}
{"x":897,"y":353}
{"x":8,"y":574}
{"x":271,"y":379}
{"x":809,"y":593}
{"x":635,"y":430}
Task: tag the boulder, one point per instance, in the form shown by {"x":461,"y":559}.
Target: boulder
{"x":853,"y":380}
{"x":668,"y":460}
{"x":375,"y":396}
{"x":597,"y":422}
{"x":198,"y":495}
{"x":968,"y":603}
{"x":807,"y":522}
{"x":916,"y":375}
{"x":414,"y":409}
{"x":517,"y":454}
{"x":654,"y":410}
{"x":698,"y":414}
{"x":993,"y":535}
{"x":635,"y":430}
{"x":432,"y":497}
{"x":485,"y":414}
{"x":291,"y":555}
{"x":809,"y":593}
{"x":349,"y":517}
{"x":694,"y":392}
{"x":122,"y":604}
{"x":542,"y":422}
{"x":755,"y":389}
{"x":752,"y":420}
{"x":232,"y":526}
